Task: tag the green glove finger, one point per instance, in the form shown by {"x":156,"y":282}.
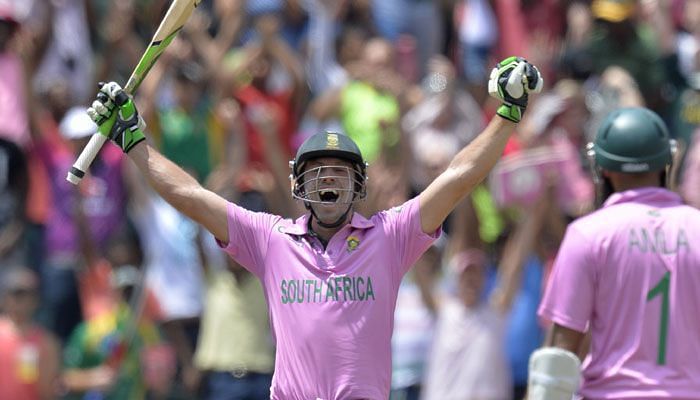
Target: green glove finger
{"x":105,"y":127}
{"x":125,"y":131}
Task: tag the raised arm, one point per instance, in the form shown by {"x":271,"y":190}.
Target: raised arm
{"x":519,"y":246}
{"x":171,"y":182}
{"x":182,"y":191}
{"x":511,"y":81}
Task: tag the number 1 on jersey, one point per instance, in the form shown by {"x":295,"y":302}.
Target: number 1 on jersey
{"x":662,"y":289}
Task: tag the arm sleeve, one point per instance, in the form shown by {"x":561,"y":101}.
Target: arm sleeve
{"x":249,"y":236}
{"x":570,"y":292}
{"x":402,"y":225}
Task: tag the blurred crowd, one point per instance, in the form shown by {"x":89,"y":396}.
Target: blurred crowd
{"x":107,"y":292}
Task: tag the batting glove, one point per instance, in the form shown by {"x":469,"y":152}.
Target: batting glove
{"x":124,"y":127}
{"x":511,"y":81}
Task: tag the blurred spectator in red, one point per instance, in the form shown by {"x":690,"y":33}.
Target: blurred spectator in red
{"x":29,"y":355}
{"x":268,"y":72}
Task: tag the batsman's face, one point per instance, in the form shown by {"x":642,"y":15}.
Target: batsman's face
{"x":329,"y":183}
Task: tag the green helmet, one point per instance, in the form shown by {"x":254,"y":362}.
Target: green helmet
{"x":632,"y":140}
{"x":327,"y":144}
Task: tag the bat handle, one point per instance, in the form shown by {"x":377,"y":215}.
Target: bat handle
{"x":77,"y":172}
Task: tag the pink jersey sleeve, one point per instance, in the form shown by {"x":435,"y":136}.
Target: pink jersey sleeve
{"x":569,"y":295}
{"x":249,"y":235}
{"x":403,"y":228}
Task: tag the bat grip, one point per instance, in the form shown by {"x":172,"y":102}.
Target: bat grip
{"x":86,"y":157}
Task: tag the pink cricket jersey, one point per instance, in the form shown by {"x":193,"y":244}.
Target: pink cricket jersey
{"x":630,"y":273}
{"x":331,"y":310}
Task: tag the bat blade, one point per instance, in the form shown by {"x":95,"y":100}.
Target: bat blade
{"x":175,"y":18}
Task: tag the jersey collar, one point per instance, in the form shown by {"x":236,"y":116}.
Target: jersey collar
{"x":300,"y":226}
{"x":650,"y":195}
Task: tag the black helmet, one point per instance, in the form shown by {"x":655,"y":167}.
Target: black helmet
{"x":328,"y":144}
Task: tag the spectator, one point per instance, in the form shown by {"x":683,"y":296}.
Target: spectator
{"x":680,"y":51}
{"x":173,"y":271}
{"x":69,"y":53}
{"x":368,"y":107}
{"x":104,"y":208}
{"x":14,"y":183}
{"x":29,"y":355}
{"x":333,"y":47}
{"x":186,"y":125}
{"x":419,"y":21}
{"x":477,"y":29}
{"x":442,"y":123}
{"x":235,"y":349}
{"x":620,"y":39}
{"x":275,"y":81}
{"x":111,"y":354}
{"x":470,"y":330}
{"x":414,"y":322}
{"x":690,"y":187}
{"x":14,"y":122}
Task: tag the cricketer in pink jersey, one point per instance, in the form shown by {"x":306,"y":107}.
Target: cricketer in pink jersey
{"x":331,"y":277}
{"x":629,"y":274}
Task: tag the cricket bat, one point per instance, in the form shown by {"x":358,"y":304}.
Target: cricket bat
{"x":174,"y":20}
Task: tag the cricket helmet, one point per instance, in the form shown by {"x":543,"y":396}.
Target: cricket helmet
{"x":327,"y":144}
{"x":632,"y":140}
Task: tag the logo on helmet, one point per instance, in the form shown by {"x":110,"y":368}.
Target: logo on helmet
{"x":332,"y":141}
{"x":631,"y":167}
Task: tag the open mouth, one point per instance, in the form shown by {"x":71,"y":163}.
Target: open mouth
{"x":328,"y":195}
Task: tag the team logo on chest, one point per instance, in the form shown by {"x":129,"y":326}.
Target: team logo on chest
{"x":352,"y":242}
